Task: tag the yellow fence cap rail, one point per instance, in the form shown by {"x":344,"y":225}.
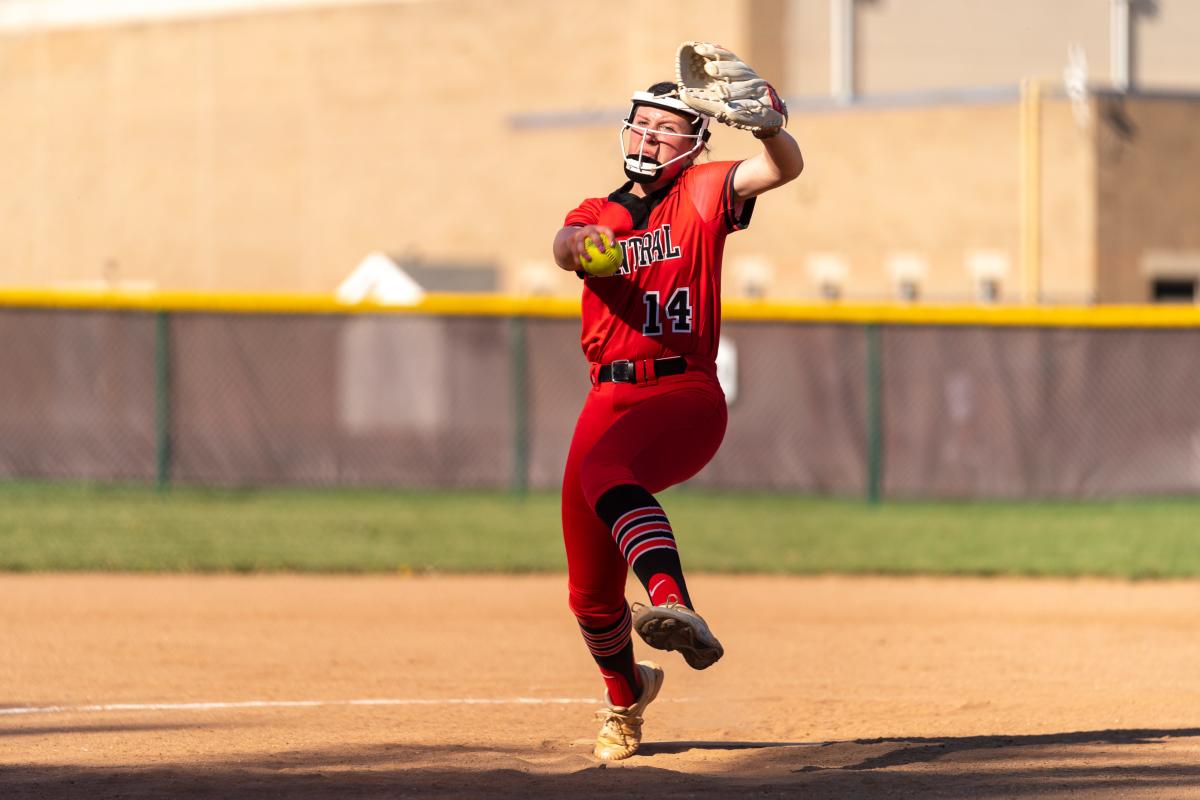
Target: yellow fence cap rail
{"x":284,"y":303}
{"x":1114,"y":316}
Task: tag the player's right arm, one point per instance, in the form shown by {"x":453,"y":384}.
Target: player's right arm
{"x":568,"y":244}
{"x":779,"y":162}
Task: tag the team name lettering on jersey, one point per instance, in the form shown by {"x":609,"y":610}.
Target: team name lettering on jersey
{"x":649,"y":248}
{"x":674,"y":307}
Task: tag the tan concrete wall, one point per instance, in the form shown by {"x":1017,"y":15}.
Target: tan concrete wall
{"x":1148,"y":199}
{"x":1166,"y":45}
{"x":936,"y":184}
{"x":931,"y":44}
{"x":806,"y":34}
{"x":878,"y":184}
{"x":273,"y":151}
{"x":913,"y":45}
{"x":934,"y":44}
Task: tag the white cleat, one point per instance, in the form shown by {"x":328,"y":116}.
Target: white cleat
{"x":677,"y":627}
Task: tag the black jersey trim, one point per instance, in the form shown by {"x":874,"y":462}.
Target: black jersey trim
{"x":639,"y":208}
{"x":733,"y":220}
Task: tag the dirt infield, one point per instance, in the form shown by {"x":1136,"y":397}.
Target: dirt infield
{"x":480,"y":686}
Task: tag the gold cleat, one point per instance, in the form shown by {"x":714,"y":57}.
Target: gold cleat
{"x":621,"y":734}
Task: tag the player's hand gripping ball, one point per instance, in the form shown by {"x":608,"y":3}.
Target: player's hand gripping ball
{"x":602,"y":264}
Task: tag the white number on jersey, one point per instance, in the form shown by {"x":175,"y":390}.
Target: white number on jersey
{"x":679,"y":309}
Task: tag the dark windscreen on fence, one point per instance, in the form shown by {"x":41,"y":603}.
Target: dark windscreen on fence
{"x":429,"y":401}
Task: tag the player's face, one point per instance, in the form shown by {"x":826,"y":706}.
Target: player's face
{"x":661,"y":135}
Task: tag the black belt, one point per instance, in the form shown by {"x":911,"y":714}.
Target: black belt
{"x":626,"y":371}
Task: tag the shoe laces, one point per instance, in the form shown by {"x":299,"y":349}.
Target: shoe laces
{"x":678,"y":607}
{"x":672,"y":604}
{"x":621,"y":725}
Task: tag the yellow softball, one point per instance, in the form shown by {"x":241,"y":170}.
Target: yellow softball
{"x":602,"y":264}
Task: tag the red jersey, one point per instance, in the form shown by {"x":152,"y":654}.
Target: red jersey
{"x":666,"y":299}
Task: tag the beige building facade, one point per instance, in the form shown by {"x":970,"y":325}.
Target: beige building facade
{"x":273,"y":146}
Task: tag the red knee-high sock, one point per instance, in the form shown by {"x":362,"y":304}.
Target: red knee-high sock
{"x":663,"y":589}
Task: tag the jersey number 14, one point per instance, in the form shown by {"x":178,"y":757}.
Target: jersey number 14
{"x":678,"y":310}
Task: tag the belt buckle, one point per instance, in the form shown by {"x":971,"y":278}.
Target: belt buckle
{"x":622,"y":371}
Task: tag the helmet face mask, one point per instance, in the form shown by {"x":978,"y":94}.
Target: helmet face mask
{"x":641,"y":168}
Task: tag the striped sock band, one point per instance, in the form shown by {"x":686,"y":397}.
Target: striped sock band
{"x":609,"y":640}
{"x":643,"y":535}
{"x":611,"y":646}
{"x":643,"y":530}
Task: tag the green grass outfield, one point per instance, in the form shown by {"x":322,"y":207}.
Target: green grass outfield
{"x":83,"y":527}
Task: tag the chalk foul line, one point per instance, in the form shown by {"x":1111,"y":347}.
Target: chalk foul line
{"x":383,"y":701}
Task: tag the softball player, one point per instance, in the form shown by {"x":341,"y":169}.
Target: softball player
{"x":655,"y":414}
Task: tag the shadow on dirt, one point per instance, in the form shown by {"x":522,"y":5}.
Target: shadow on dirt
{"x":670,"y":748}
{"x":918,"y":751}
{"x":57,"y":730}
{"x":1106,"y":764}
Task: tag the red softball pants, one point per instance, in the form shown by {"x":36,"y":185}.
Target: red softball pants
{"x":653,"y":434}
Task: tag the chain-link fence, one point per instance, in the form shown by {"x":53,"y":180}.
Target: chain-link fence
{"x":418,"y":400}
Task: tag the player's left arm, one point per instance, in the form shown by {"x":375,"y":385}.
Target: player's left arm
{"x":779,"y":162}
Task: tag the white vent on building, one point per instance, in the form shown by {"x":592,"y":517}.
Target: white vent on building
{"x":754,"y":275}
{"x":989,"y":271}
{"x":829,"y":273}
{"x":1182,"y":263}
{"x":908,"y":272}
{"x":541,"y":278}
